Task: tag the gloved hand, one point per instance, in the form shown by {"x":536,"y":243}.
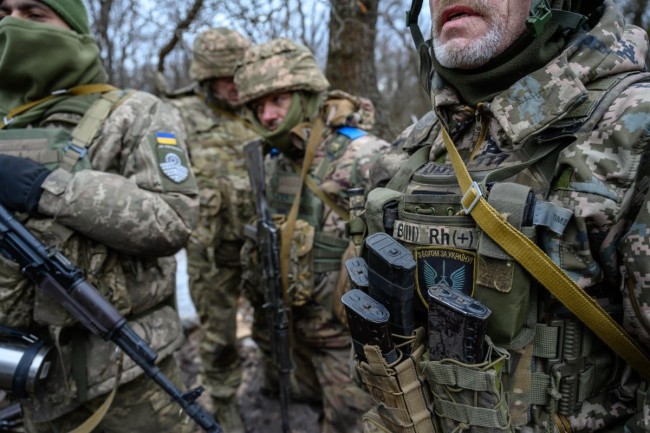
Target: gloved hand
{"x":20,"y":183}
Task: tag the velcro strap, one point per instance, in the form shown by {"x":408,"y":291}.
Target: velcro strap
{"x":546,"y":341}
{"x":472,"y":415}
{"x":539,"y":389}
{"x":457,"y":376}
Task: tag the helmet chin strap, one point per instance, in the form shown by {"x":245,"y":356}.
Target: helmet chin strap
{"x":540,"y":15}
{"x":423,"y":47}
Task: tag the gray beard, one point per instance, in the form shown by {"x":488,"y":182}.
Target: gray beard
{"x":475,"y":54}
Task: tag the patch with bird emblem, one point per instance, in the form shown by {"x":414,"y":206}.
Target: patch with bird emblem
{"x":450,"y":267}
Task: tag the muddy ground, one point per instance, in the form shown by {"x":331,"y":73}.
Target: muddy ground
{"x":260,"y":413}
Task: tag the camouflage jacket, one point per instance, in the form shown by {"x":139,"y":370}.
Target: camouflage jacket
{"x":602,"y":176}
{"x":121,"y":222}
{"x":216,"y":136}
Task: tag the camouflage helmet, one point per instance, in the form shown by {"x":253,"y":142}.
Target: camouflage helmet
{"x":216,"y":52}
{"x":280,"y":65}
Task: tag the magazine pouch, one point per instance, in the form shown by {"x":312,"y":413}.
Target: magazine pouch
{"x":403,"y":399}
{"x":471,"y":398}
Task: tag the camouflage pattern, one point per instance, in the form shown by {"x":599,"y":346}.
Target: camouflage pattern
{"x":602,"y":177}
{"x":281,"y":66}
{"x":139,"y":405}
{"x":216,"y":52}
{"x":121,"y":222}
{"x":321,"y":341}
{"x":216,"y":136}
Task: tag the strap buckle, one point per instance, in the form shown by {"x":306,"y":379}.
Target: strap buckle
{"x":479,"y":194}
{"x":78,"y":149}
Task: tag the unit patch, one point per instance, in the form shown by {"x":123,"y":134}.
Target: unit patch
{"x":427,"y":234}
{"x":450,"y":267}
{"x":174,"y":169}
{"x":171,"y":158}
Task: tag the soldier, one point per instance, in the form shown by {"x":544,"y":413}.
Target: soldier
{"x":546,"y":105}
{"x":285,"y":95}
{"x":101,"y":174}
{"x":216,"y":135}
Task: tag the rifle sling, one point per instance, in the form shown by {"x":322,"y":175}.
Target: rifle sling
{"x":322,"y":195}
{"x":287,"y":236}
{"x":89,"y":425}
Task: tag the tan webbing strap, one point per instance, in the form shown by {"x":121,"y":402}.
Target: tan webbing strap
{"x":543,"y":269}
{"x":93,"y":421}
{"x":83,"y":134}
{"x":85,"y":89}
{"x":322,"y":195}
{"x":287,"y":236}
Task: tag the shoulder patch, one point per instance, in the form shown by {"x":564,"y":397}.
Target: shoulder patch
{"x":171,"y":158}
{"x":351,"y":132}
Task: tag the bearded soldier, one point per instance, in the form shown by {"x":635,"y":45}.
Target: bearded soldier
{"x":101,"y":174}
{"x":216,"y":135}
{"x":522,"y":197}
{"x":322,"y":134}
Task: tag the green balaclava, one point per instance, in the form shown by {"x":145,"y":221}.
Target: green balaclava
{"x":528,"y":54}
{"x":73,"y":12}
{"x":38,"y":59}
{"x":305,"y":106}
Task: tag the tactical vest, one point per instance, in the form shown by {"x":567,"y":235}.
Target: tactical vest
{"x":542,"y":365}
{"x":66,"y":147}
{"x":284,"y":184}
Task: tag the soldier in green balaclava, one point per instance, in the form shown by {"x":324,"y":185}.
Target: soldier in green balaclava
{"x":307,"y":128}
{"x":102,"y":175}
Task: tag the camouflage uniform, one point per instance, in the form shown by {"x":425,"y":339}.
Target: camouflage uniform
{"x":216,"y":135}
{"x":558,"y":376}
{"x":345,"y":152}
{"x":118,"y":200}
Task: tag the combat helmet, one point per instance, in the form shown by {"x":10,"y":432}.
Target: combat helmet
{"x":280,"y":65}
{"x":216,"y":52}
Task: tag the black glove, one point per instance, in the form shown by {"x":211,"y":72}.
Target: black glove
{"x":20,"y":183}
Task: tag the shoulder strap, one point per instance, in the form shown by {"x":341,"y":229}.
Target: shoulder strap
{"x":83,"y":134}
{"x":84,"y":89}
{"x":543,"y":269}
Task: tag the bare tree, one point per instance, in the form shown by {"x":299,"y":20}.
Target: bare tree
{"x":137,"y":37}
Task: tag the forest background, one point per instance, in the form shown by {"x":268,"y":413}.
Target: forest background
{"x":364,"y":46}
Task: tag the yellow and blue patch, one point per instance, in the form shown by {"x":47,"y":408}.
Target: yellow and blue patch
{"x":165,"y":138}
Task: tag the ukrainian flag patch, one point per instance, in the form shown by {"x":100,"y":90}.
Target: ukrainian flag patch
{"x":165,"y":138}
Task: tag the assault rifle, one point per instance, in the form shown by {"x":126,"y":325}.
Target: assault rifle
{"x":59,"y":278}
{"x":268,"y":244}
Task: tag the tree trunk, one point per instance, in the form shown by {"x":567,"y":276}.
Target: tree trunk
{"x":351,"y":56}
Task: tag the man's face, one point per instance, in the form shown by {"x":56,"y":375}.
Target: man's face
{"x":225,"y":88}
{"x":31,"y":10}
{"x":468,"y":33}
{"x":271,"y":109}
